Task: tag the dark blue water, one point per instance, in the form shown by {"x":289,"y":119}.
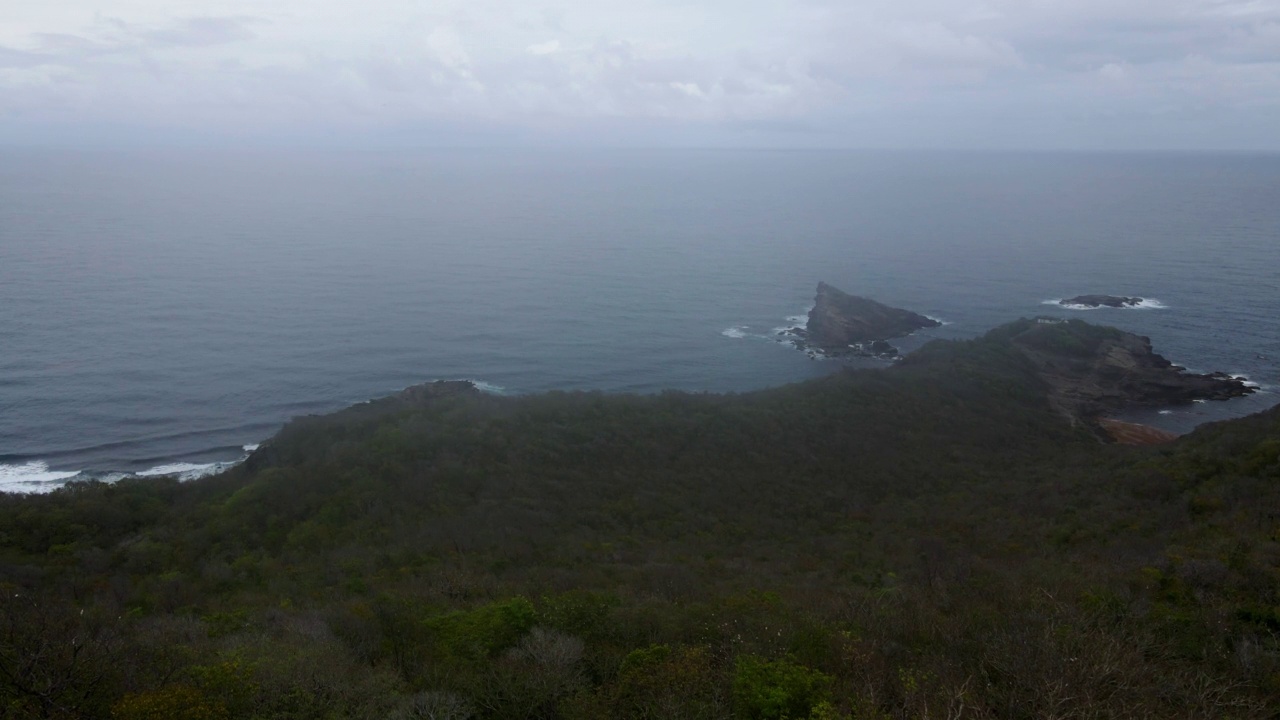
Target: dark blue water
{"x":166,"y":310}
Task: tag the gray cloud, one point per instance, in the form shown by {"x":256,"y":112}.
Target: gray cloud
{"x":1085,"y":73}
{"x":10,"y":58}
{"x":118,"y":38}
{"x":201,"y":32}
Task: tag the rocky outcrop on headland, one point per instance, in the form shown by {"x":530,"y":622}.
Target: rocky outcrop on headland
{"x":1091,"y":370}
{"x":843,"y":324}
{"x":1096,"y":301}
{"x":1127,"y":433}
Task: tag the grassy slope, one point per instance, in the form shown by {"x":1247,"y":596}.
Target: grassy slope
{"x":905,"y":543}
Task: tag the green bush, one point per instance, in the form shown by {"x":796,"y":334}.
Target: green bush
{"x":476,"y":635}
{"x":777,"y":690}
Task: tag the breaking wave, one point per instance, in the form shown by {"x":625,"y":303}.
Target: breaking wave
{"x":188,"y":471}
{"x":488,"y":387}
{"x":32,"y":477}
{"x":1247,"y":382}
{"x":1145,"y":304}
{"x":35,"y":476}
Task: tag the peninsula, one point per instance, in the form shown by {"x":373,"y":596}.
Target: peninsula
{"x":1089,"y":370}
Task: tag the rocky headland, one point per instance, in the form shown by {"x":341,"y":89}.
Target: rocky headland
{"x":1097,"y":301}
{"x":841,"y":324}
{"x":1092,"y":370}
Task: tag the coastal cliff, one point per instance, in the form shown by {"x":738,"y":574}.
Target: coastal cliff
{"x":1091,"y":370}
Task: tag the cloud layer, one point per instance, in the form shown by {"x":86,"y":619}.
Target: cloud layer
{"x":1000,"y":73}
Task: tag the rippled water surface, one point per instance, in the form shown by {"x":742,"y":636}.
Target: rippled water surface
{"x":163,"y":311}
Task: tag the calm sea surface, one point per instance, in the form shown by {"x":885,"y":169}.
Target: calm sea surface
{"x":161,"y":311}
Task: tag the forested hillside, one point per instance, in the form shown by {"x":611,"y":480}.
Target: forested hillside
{"x":932,"y":540}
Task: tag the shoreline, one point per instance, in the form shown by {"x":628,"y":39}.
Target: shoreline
{"x":31,"y":475}
{"x":35,"y":477}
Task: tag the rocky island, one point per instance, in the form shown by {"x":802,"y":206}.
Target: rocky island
{"x":1097,"y":301}
{"x":842,"y":324}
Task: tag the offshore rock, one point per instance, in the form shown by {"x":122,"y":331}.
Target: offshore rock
{"x":1094,"y":301}
{"x":843,"y":324}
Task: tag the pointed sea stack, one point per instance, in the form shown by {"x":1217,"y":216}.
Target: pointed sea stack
{"x":839,"y":320}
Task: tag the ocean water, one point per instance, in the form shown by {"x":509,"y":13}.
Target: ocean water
{"x":165,"y":311}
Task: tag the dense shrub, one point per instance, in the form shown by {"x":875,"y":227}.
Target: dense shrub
{"x":926,"y":541}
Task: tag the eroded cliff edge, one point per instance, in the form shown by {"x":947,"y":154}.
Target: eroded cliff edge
{"x":1093,"y":370}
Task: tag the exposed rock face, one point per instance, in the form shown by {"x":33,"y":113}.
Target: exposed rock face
{"x":1091,"y":370}
{"x":1126,"y":433}
{"x":1093,"y":301}
{"x":843,"y":324}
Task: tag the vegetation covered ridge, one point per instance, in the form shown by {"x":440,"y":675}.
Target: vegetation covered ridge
{"x":929,"y":540}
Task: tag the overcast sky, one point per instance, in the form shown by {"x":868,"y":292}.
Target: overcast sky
{"x":1107,"y":74}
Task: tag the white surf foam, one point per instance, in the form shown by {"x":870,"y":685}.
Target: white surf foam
{"x":33,"y":476}
{"x":802,"y":318}
{"x":735,"y":332}
{"x":1068,"y":306}
{"x":1190,"y":370}
{"x":481,"y":385}
{"x":940,"y":321}
{"x":784,"y":331}
{"x":487,"y":387}
{"x":1145,"y":304}
{"x":1166,"y":412}
{"x":251,"y":447}
{"x":36,"y":477}
{"x":186,"y":471}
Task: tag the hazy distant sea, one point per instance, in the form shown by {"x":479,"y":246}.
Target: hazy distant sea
{"x":161,"y":312}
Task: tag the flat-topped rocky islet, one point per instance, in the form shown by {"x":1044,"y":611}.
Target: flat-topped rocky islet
{"x":1097,"y":301}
